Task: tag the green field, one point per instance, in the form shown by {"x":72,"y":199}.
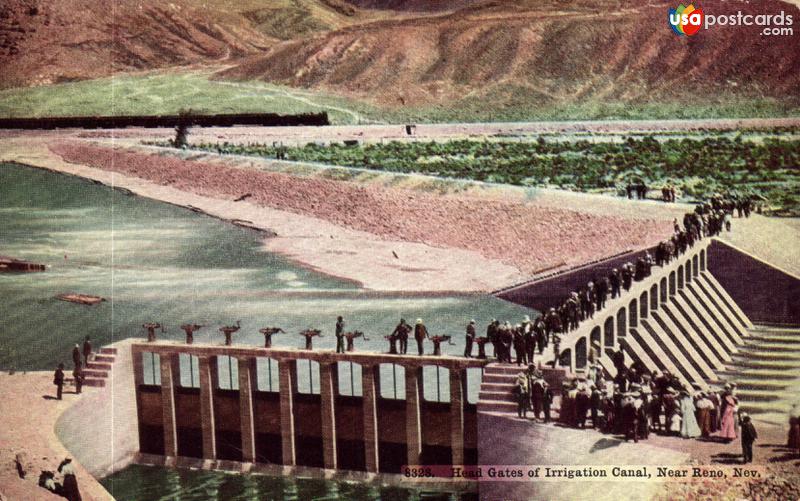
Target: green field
{"x":698,"y":167}
{"x":169,"y":92}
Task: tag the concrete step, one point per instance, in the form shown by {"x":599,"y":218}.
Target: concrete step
{"x":762,"y":407}
{"x":95,"y":373}
{"x":100,"y":366}
{"x":104,"y":358}
{"x":765,"y":385}
{"x":765,"y":364}
{"x":496,"y":406}
{"x":108,"y":351}
{"x":761,"y":355}
{"x":503,"y":396}
{"x":497,"y":386}
{"x":96,"y":382}
{"x":494,"y":378}
{"x":761,"y":374}
{"x":772,"y":338}
{"x":751,"y":347}
{"x":757,"y":395}
{"x":767,"y":328}
{"x":503,"y":369}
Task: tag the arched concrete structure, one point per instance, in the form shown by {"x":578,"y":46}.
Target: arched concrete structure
{"x":633,"y":314}
{"x":662,"y":289}
{"x":703,"y":260}
{"x":695,"y":268}
{"x":581,"y":353}
{"x":680,"y":277}
{"x":608,"y":330}
{"x":622,"y":329}
{"x":672,"y":288}
{"x":596,"y":337}
{"x":689,"y":271}
{"x":643,"y":305}
{"x":654,"y":297}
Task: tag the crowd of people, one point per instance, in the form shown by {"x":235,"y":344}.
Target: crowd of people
{"x":638,"y":402}
{"x":80,"y":358}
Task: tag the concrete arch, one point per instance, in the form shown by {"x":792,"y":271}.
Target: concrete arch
{"x":672,"y":288}
{"x":608,"y":331}
{"x":688,"y":271}
{"x":622,"y":323}
{"x":662,"y":289}
{"x":596,"y":337}
{"x":581,"y":353}
{"x":633,"y":314}
{"x":643,"y":305}
{"x":565,"y":359}
{"x":703,"y":260}
{"x":680,"y":277}
{"x":695,"y":269}
{"x":654,"y":297}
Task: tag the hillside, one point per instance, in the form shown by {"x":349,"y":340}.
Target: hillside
{"x":531,"y":54}
{"x":400,"y":60}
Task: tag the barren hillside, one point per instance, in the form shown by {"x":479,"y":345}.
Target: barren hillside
{"x":549,"y":53}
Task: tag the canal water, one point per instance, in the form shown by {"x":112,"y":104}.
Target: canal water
{"x":144,"y":483}
{"x":155,"y":262}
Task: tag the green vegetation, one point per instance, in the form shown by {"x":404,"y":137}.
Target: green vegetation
{"x":698,"y":168}
{"x":169,"y":93}
{"x":160,"y":93}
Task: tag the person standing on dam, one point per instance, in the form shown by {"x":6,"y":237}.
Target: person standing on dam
{"x":76,"y":355}
{"x":749,"y":435}
{"x":87,"y":350}
{"x":420,"y":335}
{"x":339,"y":334}
{"x":470,"y":338}
{"x":401,"y":334}
{"x":58,"y":380}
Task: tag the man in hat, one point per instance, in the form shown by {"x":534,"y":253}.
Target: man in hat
{"x":87,"y":350}
{"x":470,"y":338}
{"x":76,"y":355}
{"x":339,"y":335}
{"x":582,"y":402}
{"x":58,"y":380}
{"x":547,"y":401}
{"x":749,"y":435}
{"x":420,"y":335}
{"x":537,"y":395}
{"x":401,"y":334}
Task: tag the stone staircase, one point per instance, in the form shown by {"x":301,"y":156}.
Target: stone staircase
{"x":96,"y":371}
{"x":767,"y":372}
{"x":497,"y":388}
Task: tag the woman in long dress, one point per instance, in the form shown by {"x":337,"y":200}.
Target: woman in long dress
{"x":689,"y":428}
{"x":704,"y":407}
{"x":727,"y":427}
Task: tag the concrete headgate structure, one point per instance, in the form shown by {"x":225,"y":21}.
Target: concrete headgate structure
{"x":678,"y":319}
{"x":274,"y":422}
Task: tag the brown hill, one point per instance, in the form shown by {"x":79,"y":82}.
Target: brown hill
{"x":61,"y":40}
{"x":539,"y":52}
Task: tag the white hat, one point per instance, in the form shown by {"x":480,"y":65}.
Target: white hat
{"x":526,"y":318}
{"x":419,"y":321}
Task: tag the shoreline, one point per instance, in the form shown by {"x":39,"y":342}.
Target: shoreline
{"x":444,"y":248}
